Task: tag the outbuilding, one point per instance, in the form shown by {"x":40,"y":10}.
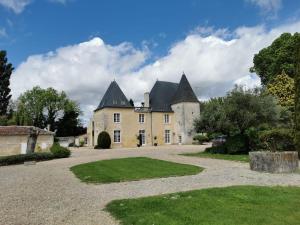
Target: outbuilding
{"x":14,"y":139}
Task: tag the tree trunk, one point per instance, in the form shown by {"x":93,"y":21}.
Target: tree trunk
{"x":32,"y":139}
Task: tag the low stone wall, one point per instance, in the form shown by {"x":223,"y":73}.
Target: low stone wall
{"x":274,"y":162}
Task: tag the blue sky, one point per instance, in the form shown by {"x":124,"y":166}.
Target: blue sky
{"x":80,"y":46}
{"x":44,"y":25}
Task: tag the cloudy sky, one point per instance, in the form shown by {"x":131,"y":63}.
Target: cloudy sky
{"x":81,"y":46}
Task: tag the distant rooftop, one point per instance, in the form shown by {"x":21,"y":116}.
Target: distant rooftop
{"x":21,"y":130}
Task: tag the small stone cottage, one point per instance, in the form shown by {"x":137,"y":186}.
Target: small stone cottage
{"x":14,"y":139}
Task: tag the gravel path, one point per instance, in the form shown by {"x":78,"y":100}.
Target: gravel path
{"x":48,"y":193}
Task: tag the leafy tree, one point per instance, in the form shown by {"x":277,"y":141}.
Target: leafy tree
{"x":5,"y":73}
{"x":270,"y":61}
{"x":41,"y":107}
{"x":283,"y":88}
{"x":237,"y":112}
{"x":69,"y":124}
{"x":297,"y":94}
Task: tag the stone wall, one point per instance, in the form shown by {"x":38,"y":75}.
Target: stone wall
{"x":13,"y":144}
{"x":274,"y":162}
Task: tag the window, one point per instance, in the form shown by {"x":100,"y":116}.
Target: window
{"x":167,"y":137}
{"x":142,"y":118}
{"x":179,"y":139}
{"x":166,"y":118}
{"x":142,"y":136}
{"x":117,"y":136}
{"x":117,"y":118}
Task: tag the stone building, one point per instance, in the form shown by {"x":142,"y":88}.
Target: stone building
{"x":14,"y":139}
{"x":166,"y":116}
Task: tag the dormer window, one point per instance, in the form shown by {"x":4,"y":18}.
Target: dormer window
{"x":117,"y":118}
{"x":167,"y":118}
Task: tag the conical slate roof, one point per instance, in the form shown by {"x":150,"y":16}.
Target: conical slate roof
{"x":114,"y":98}
{"x":184,"y":92}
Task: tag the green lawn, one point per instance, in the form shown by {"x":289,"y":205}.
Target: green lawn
{"x":240,"y":158}
{"x":128,"y":169}
{"x":240,"y":205}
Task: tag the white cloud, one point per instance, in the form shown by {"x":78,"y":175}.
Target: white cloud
{"x":212,"y":64}
{"x":59,"y":1}
{"x":3,"y":32}
{"x":16,"y":5}
{"x":270,"y":7}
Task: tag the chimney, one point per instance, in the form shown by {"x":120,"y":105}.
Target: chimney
{"x":146,"y":100}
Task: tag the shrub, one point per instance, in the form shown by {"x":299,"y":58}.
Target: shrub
{"x":220,"y":149}
{"x":278,"y":139}
{"x":237,"y":144}
{"x":201,"y":138}
{"x":19,"y":159}
{"x":59,"y":151}
{"x":103,"y":141}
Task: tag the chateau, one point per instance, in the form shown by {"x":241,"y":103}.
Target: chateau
{"x":165,"y":117}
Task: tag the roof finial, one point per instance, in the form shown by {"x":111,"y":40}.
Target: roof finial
{"x":183,"y":72}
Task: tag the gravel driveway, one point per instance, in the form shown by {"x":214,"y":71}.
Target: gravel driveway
{"x":48,"y":192}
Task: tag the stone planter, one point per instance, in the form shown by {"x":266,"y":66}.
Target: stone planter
{"x":274,"y":162}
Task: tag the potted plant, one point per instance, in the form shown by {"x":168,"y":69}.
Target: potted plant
{"x":278,"y":153}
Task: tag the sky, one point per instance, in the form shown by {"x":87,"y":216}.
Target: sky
{"x":80,"y":46}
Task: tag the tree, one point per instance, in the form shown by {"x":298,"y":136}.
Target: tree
{"x":283,"y":88}
{"x":270,"y":61}
{"x":5,"y":73}
{"x":237,"y":112}
{"x":297,"y":94}
{"x":42,"y":107}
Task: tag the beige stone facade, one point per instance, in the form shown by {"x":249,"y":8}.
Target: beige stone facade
{"x":151,"y":124}
{"x":14,"y":142}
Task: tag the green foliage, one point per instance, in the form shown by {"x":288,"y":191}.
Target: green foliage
{"x":59,"y":151}
{"x":40,"y":107}
{"x":297,"y":95}
{"x":237,"y":144}
{"x":200,"y":138}
{"x":283,"y":88}
{"x":277,"y":139}
{"x":5,"y":74}
{"x":19,"y":159}
{"x":220,"y":149}
{"x":206,"y":154}
{"x":270,"y":61}
{"x":69,"y":124}
{"x":129,"y":169}
{"x":237,"y":112}
{"x":103,"y":141}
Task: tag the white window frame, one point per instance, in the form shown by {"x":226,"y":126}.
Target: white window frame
{"x":142,"y":115}
{"x":167,"y":118}
{"x":167,"y":136}
{"x":115,"y":118}
{"x":143,"y":132}
{"x":116,"y":139}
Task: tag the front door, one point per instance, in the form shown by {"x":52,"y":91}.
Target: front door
{"x":142,"y":137}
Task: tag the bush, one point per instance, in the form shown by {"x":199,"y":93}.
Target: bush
{"x":19,"y":159}
{"x":201,"y":138}
{"x":220,"y":149}
{"x":103,"y":141}
{"x":59,"y":151}
{"x":237,"y":144}
{"x":278,"y":139}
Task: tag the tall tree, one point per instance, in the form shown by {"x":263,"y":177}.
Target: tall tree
{"x":41,"y":107}
{"x":270,"y":61}
{"x":5,"y":73}
{"x":297,"y":93}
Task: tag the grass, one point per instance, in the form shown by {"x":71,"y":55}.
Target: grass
{"x":239,"y":158}
{"x":242,"y":205}
{"x":129,"y":169}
